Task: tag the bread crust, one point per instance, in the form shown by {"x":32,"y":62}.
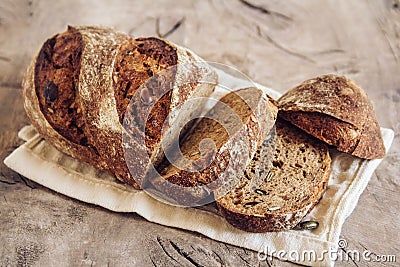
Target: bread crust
{"x":339,"y":133}
{"x":97,"y":97}
{"x":271,"y":222}
{"x":351,"y":125}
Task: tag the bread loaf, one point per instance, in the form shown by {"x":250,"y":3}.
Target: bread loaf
{"x":82,"y":81}
{"x":293,"y":186}
{"x":337,"y":111}
{"x":235,"y":126}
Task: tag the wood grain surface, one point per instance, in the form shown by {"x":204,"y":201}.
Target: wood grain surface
{"x":276,"y":43}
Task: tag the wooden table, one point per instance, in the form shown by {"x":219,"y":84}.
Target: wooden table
{"x":278,"y":44}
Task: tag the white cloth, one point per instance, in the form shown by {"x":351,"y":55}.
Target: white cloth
{"x":42,"y":163}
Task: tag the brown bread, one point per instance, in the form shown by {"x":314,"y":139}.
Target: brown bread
{"x":334,"y":109}
{"x":293,"y":186}
{"x":236,"y":125}
{"x":78,"y":88}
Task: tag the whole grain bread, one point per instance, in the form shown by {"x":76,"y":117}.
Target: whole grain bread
{"x":79,"y":86}
{"x":334,"y":109}
{"x":293,"y":185}
{"x":52,"y":100}
{"x":218,"y":148}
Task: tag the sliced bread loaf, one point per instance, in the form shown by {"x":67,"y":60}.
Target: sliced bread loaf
{"x":337,"y":111}
{"x":82,"y":83}
{"x":295,"y":183}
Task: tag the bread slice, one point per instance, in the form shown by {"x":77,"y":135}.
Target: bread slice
{"x":294,"y":185}
{"x":337,"y":111}
{"x":52,"y":90}
{"x":218,"y":148}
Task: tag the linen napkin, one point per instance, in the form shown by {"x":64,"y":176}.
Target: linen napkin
{"x":42,"y":163}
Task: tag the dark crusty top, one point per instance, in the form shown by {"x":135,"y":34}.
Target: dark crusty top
{"x":341,"y":98}
{"x":333,"y":95}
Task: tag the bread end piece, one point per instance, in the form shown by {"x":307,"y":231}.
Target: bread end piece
{"x":55,"y":72}
{"x":337,"y":111}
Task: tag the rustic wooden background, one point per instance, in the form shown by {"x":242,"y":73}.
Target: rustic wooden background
{"x":276,"y":43}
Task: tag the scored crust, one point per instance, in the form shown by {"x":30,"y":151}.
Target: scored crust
{"x":301,"y":168}
{"x":96,"y":94}
{"x":337,"y":111}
